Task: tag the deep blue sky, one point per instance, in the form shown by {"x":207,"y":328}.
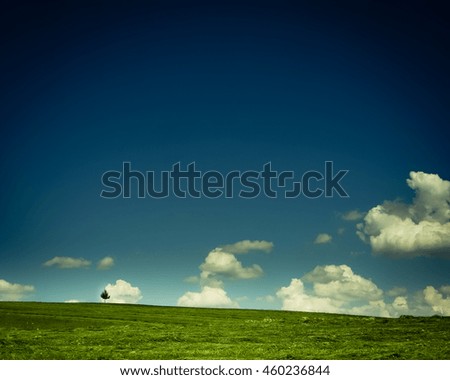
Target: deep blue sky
{"x":231,"y":86}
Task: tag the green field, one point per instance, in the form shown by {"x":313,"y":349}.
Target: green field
{"x":111,"y":331}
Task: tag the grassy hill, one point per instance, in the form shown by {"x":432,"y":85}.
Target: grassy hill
{"x":111,"y":331}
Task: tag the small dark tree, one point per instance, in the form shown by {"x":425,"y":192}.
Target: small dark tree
{"x":105,"y":296}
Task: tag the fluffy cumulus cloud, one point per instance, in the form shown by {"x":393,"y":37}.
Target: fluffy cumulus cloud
{"x":64,"y":262}
{"x":337,"y":289}
{"x":352,"y":215}
{"x":409,"y":230}
{"x":339,"y":282}
{"x":14,"y":292}
{"x":207,"y":297}
{"x":322,"y":239}
{"x":123,"y":292}
{"x":334,"y":289}
{"x":400,"y":305}
{"x":437,"y":301}
{"x":221,"y":265}
{"x":294,"y":297}
{"x":105,"y":263}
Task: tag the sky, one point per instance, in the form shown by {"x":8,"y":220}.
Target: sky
{"x":228,"y":86}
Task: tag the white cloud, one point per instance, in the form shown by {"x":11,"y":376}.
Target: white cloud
{"x":426,"y":302}
{"x":409,"y":230}
{"x":436,"y":300}
{"x":225,"y":264}
{"x":72,"y":301}
{"x":294,"y":297}
{"x":219,"y":265}
{"x":322,"y":239}
{"x":13,"y":292}
{"x":105,"y":263}
{"x":207,"y":297}
{"x":353,"y":215}
{"x":246,"y":246}
{"x":432,"y":197}
{"x":335,"y":289}
{"x":339,"y":282}
{"x":400,"y":305}
{"x":67,"y":262}
{"x":123,"y":292}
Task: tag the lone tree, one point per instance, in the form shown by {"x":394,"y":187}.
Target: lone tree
{"x":105,"y":295}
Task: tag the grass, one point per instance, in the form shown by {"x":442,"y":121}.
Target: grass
{"x":111,"y":331}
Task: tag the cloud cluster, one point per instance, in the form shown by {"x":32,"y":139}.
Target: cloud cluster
{"x":294,"y":297}
{"x":400,"y":305}
{"x":436,"y":300}
{"x":404,"y":230}
{"x":339,"y":282}
{"x":337,"y":289}
{"x":207,"y":297}
{"x":123,"y":292}
{"x":13,"y":292}
{"x":323,"y":239}
{"x":220,"y":265}
{"x":334,"y":289}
